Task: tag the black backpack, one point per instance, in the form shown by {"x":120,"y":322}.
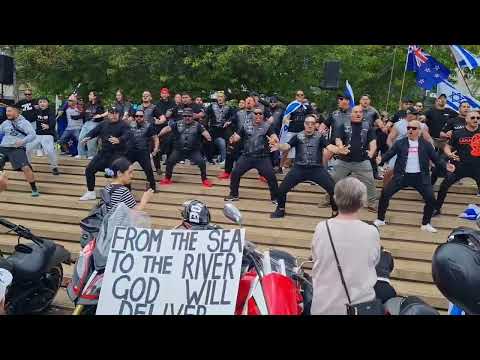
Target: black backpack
{"x":90,"y":225}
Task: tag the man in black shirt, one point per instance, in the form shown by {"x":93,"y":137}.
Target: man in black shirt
{"x":164,"y":104}
{"x":456,"y":123}
{"x":46,"y":134}
{"x":187,"y":137}
{"x":159,"y":114}
{"x":138,"y":149}
{"x":309,"y":145}
{"x":115,"y":136}
{"x":402,"y":113}
{"x":466,"y":145}
{"x":373,"y":117}
{"x":360,"y":138}
{"x":29,"y":105}
{"x":437,"y":117}
{"x":176,"y":113}
{"x":255,"y":154}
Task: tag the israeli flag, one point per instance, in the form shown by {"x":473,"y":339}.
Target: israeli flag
{"x":455,"y":97}
{"x":293,"y":106}
{"x":464,"y":58}
{"x":349,"y":92}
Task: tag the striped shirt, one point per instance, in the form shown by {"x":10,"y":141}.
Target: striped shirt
{"x":120,"y":195}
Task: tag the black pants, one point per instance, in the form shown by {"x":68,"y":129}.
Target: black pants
{"x":300,"y":174}
{"x":143,"y":158}
{"x":100,"y":162}
{"x":264,"y":167}
{"x":178,"y":155}
{"x":462,"y":171}
{"x":233,"y":154}
{"x":399,"y":183}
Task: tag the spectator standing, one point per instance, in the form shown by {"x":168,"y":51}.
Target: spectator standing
{"x":94,"y":114}
{"x":358,"y":255}
{"x":75,"y":116}
{"x":122,"y":105}
{"x":437,"y":117}
{"x":147,"y":107}
{"x":29,"y":105}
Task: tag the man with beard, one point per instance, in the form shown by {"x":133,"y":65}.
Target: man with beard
{"x":187,"y":137}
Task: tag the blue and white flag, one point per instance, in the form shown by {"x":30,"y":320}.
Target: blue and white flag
{"x":293,"y":106}
{"x":464,"y":58}
{"x":455,"y":310}
{"x":349,"y":92}
{"x":428,"y":70}
{"x":455,"y":97}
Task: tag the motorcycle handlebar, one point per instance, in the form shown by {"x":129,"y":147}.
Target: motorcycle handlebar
{"x":21,"y":231}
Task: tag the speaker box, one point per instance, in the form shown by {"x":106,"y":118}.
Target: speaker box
{"x":6,"y":70}
{"x":331,"y":79}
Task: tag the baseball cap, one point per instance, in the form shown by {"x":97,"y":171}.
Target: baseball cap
{"x":343,"y":96}
{"x":187,"y":111}
{"x":412,"y":110}
{"x":113,"y":110}
{"x":164,"y":90}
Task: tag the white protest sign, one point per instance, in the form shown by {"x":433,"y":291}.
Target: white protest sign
{"x":172,"y":272}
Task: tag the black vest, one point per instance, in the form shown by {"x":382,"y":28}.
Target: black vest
{"x":363,"y":133}
{"x":139,"y":141}
{"x":307,"y":150}
{"x":187,"y":137}
{"x":254,"y":143}
{"x":220,"y":113}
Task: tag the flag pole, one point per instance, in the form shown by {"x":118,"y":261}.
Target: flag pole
{"x":461,"y":72}
{"x":391,"y":77}
{"x":403,"y":80}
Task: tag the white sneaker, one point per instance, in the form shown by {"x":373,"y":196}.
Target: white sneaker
{"x":78,"y":157}
{"x":89,"y":195}
{"x":379,"y":223}
{"x":90,"y":157}
{"x":428,"y":228}
{"x":39,"y":153}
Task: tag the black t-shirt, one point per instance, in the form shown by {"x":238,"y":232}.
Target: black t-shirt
{"x":94,"y":109}
{"x":28,"y":109}
{"x":461,"y":142}
{"x":187,"y":137}
{"x":436,"y":120}
{"x":177,"y":111}
{"x":297,"y":118}
{"x":399,"y":115}
{"x":453,"y":124}
{"x":45,"y":117}
{"x":358,"y":153}
{"x":162,"y":106}
{"x":106,"y":129}
{"x":141,"y":134}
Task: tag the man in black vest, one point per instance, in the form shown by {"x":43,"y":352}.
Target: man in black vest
{"x":412,"y":169}
{"x":309,"y":145}
{"x":187,"y":137}
{"x":219,"y":117}
{"x":465,"y":144}
{"x":138,"y":149}
{"x":255,"y":138}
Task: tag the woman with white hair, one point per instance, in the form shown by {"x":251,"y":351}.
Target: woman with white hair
{"x":357,"y":247}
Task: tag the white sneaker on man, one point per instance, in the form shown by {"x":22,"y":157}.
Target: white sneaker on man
{"x":90,"y":157}
{"x":89,"y":195}
{"x":78,"y":157}
{"x":379,"y":223}
{"x":428,"y":228}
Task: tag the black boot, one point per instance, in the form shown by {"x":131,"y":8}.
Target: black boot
{"x":278,"y":213}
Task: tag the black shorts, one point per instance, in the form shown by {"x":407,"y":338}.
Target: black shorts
{"x":16,"y":156}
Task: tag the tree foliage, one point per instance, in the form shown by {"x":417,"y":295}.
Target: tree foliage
{"x":200,"y":69}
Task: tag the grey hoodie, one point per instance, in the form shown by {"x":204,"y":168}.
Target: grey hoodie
{"x":12,"y":135}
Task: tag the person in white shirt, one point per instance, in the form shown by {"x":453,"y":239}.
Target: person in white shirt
{"x":412,"y":169}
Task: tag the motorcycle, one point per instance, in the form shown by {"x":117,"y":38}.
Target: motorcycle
{"x":271,"y":283}
{"x":37,"y":272}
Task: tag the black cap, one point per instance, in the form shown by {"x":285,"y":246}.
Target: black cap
{"x":343,"y":96}
{"x":273,"y":99}
{"x":113,"y":110}
{"x":412,"y":110}
{"x":187,"y":111}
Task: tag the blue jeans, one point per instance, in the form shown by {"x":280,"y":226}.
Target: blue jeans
{"x":67,"y":134}
{"x":222,"y":148}
{"x":91,"y":149}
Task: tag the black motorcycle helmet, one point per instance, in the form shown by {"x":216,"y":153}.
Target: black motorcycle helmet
{"x":410,"y":305}
{"x":456,"y":269}
{"x":195,"y":213}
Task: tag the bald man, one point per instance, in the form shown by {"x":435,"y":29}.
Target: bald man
{"x":359,"y":137}
{"x":412,"y":169}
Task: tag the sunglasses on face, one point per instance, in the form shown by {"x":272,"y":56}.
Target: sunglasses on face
{"x":28,"y":94}
{"x":412,"y":128}
{"x":188,"y":116}
{"x":258,"y":114}
{"x":139,"y":116}
{"x":300,"y":94}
